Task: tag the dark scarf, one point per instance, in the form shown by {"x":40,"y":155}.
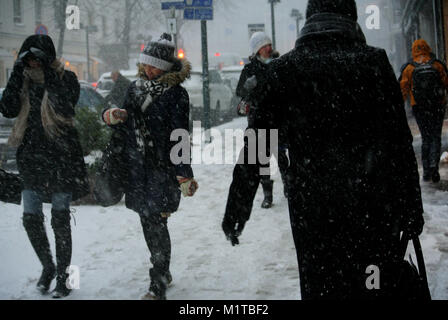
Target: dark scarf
{"x":332,"y":26}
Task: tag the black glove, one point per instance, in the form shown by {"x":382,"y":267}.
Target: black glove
{"x":233,"y":229}
{"x":19,"y":66}
{"x":413,"y":226}
{"x":42,"y":57}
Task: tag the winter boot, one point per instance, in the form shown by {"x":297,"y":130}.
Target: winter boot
{"x":267,"y":190}
{"x":34,"y":226}
{"x":435,"y":176}
{"x":60,"y":221}
{"x":157,"y":289}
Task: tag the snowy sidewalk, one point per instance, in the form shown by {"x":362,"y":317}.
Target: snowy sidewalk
{"x":113,"y":259}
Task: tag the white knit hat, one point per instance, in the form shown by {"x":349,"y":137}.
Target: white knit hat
{"x":159,"y":54}
{"x":258,"y":41}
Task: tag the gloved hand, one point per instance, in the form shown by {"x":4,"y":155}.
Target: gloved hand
{"x":188,"y":186}
{"x":251,"y":83}
{"x":413,"y":226}
{"x":115,"y":116}
{"x":19,"y":66}
{"x":232,"y":229}
{"x":243,"y":108}
{"x":42,"y":57}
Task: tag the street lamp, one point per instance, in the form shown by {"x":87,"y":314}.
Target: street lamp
{"x":273,"y":2}
{"x":297,"y":15}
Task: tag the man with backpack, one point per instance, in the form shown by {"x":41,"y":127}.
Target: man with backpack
{"x":425,"y":81}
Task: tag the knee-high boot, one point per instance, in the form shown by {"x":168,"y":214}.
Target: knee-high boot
{"x":155,"y":230}
{"x":60,"y":221}
{"x":35,"y":228}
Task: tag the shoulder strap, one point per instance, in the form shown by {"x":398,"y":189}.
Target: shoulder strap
{"x":403,"y":67}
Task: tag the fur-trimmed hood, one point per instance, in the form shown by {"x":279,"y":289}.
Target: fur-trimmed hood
{"x":180,"y":72}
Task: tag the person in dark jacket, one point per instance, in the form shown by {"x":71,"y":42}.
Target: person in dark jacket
{"x":246,"y":175}
{"x":430,"y":111}
{"x":353,"y":179}
{"x":42,"y":96}
{"x":118,"y":93}
{"x":155,"y":106}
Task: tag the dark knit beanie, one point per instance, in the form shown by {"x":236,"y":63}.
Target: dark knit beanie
{"x":343,"y":7}
{"x":159,"y":54}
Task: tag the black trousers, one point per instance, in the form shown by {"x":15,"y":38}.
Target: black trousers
{"x":246,"y":179}
{"x":155,"y":230}
{"x":430,"y":122}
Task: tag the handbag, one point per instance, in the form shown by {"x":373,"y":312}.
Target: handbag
{"x":112,"y":174}
{"x":11,"y":186}
{"x":412,"y":281}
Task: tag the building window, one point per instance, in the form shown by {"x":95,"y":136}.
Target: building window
{"x":18,"y":12}
{"x":38,"y":11}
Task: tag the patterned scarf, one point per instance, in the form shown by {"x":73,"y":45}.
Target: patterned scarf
{"x":148,"y":91}
{"x":52,"y":122}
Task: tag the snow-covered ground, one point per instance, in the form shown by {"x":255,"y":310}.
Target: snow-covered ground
{"x":113,"y":259}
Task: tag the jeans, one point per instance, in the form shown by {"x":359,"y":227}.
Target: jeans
{"x":32,"y":202}
{"x":430,"y":122}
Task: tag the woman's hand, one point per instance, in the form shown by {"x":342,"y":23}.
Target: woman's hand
{"x":188,"y":186}
{"x":115,"y":116}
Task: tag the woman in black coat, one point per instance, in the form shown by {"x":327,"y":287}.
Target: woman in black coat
{"x":42,"y":95}
{"x":155,"y":106}
{"x":354,"y":184}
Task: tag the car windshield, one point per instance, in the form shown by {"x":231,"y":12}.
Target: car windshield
{"x":196,"y":78}
{"x":106,"y":85}
{"x":89,"y":98}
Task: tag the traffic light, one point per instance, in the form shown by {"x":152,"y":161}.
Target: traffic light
{"x":181,"y":54}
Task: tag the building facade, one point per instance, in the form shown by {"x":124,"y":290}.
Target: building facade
{"x":426,"y":19}
{"x":22,"y":18}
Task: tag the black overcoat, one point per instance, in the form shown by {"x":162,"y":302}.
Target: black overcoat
{"x":354,"y":183}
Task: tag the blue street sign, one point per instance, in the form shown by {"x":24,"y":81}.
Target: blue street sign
{"x":179,"y":5}
{"x":198,"y":14}
{"x":198,"y":3}
{"x":41,"y":29}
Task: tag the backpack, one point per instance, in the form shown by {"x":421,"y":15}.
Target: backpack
{"x":427,"y":88}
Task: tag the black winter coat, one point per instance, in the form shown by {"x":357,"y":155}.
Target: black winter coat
{"x":47,"y":166}
{"x":152,"y":185}
{"x":258,"y":69}
{"x":354,"y":182}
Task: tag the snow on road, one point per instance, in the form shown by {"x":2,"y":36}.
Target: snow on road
{"x":113,"y":259}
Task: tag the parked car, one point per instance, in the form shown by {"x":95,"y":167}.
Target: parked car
{"x":220,"y":97}
{"x":89,"y":97}
{"x":105,"y":82}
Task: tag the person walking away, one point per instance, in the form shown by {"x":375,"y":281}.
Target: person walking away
{"x":247,"y":177}
{"x":118,"y":93}
{"x":353,"y":178}
{"x":425,"y":81}
{"x":42,"y":96}
{"x":156,"y":105}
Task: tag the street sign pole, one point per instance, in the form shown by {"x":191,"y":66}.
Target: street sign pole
{"x":205,"y":76}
